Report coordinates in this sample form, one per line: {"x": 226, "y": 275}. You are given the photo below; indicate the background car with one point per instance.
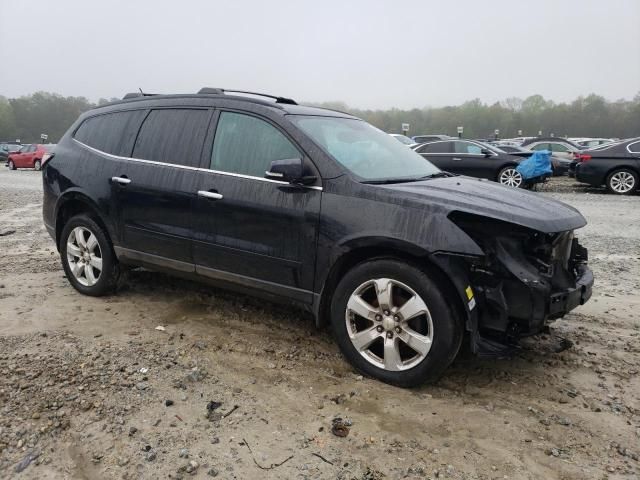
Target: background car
{"x": 616, "y": 166}
{"x": 560, "y": 165}
{"x": 559, "y": 147}
{"x": 591, "y": 142}
{"x": 475, "y": 159}
{"x": 430, "y": 138}
{"x": 403, "y": 139}
{"x": 30, "y": 156}
{"x": 7, "y": 148}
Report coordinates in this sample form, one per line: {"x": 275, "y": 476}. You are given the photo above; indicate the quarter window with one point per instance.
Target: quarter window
{"x": 173, "y": 135}
{"x": 247, "y": 145}
{"x": 112, "y": 133}
{"x": 634, "y": 147}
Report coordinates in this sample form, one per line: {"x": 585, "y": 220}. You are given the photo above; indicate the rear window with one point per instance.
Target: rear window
{"x": 173, "y": 136}
{"x": 112, "y": 133}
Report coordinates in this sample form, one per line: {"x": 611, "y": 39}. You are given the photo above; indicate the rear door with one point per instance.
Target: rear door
{"x": 440, "y": 154}
{"x": 471, "y": 161}
{"x": 252, "y": 231}
{"x": 158, "y": 187}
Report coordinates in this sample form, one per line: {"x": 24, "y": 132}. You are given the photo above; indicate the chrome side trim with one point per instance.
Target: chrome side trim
{"x": 186, "y": 167}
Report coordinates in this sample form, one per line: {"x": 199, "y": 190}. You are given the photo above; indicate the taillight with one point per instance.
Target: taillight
{"x": 46, "y": 157}
{"x": 584, "y": 157}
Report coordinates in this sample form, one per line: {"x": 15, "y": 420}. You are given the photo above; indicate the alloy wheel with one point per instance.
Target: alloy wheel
{"x": 622, "y": 182}
{"x": 389, "y": 324}
{"x": 510, "y": 177}
{"x": 84, "y": 256}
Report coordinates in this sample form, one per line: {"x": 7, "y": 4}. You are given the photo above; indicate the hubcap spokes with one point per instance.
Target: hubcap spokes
{"x": 622, "y": 182}
{"x": 84, "y": 256}
{"x": 511, "y": 178}
{"x": 389, "y": 324}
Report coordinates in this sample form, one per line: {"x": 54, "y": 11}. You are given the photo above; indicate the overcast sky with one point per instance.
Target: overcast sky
{"x": 369, "y": 54}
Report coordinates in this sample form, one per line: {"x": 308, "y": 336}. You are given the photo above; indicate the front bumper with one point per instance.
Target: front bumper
{"x": 563, "y": 302}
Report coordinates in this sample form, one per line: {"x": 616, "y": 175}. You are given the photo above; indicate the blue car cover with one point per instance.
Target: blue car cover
{"x": 537, "y": 165}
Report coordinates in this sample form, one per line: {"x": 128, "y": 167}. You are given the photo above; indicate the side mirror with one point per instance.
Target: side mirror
{"x": 289, "y": 170}
{"x": 486, "y": 152}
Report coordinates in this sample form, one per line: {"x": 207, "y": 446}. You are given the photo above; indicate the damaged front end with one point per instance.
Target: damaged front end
{"x": 524, "y": 279}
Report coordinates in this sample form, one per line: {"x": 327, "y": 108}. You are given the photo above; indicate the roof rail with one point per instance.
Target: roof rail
{"x": 137, "y": 94}
{"x": 221, "y": 91}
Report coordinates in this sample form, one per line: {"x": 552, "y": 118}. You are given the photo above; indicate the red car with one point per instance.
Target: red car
{"x": 30, "y": 156}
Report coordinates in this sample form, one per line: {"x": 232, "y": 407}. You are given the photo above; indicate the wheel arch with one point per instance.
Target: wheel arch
{"x": 73, "y": 203}
{"x": 369, "y": 249}
{"x": 624, "y": 166}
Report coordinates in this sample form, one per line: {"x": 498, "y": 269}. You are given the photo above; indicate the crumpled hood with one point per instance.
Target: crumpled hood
{"x": 490, "y": 199}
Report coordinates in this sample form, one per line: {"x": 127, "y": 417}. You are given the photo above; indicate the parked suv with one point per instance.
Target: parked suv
{"x": 319, "y": 209}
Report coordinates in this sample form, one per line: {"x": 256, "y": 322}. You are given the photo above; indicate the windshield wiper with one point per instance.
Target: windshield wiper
{"x": 386, "y": 181}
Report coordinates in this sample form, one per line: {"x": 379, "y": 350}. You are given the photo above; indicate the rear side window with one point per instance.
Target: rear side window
{"x": 112, "y": 133}
{"x": 247, "y": 145}
{"x": 436, "y": 147}
{"x": 173, "y": 136}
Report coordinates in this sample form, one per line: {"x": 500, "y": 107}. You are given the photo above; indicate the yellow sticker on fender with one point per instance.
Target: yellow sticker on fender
{"x": 469, "y": 293}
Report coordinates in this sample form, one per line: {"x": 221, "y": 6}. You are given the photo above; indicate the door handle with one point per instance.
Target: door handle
{"x": 121, "y": 180}
{"x": 456, "y": 159}
{"x": 210, "y": 195}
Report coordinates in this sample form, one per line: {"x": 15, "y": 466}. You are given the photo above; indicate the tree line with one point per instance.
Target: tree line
{"x": 27, "y": 117}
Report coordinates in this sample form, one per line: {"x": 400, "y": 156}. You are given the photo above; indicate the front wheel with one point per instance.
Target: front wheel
{"x": 87, "y": 257}
{"x": 393, "y": 322}
{"x": 12, "y": 166}
{"x": 622, "y": 181}
{"x": 510, "y": 177}
{"x": 37, "y": 165}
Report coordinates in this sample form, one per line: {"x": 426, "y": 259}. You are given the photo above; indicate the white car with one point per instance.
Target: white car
{"x": 404, "y": 139}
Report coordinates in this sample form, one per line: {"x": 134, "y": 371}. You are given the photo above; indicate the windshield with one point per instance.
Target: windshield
{"x": 364, "y": 150}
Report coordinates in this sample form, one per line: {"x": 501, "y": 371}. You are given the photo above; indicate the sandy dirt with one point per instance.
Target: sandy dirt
{"x": 89, "y": 389}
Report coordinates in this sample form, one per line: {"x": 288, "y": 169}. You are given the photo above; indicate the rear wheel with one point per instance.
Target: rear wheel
{"x": 392, "y": 322}
{"x": 87, "y": 257}
{"x": 622, "y": 181}
{"x": 37, "y": 164}
{"x": 12, "y": 166}
{"x": 510, "y": 177}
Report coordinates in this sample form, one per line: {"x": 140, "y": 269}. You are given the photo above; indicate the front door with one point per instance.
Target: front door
{"x": 156, "y": 189}
{"x": 249, "y": 230}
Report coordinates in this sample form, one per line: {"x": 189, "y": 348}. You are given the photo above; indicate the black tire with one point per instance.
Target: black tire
{"x": 617, "y": 187}
{"x": 110, "y": 273}
{"x": 447, "y": 326}
{"x": 37, "y": 165}
{"x": 12, "y": 166}
{"x": 506, "y": 169}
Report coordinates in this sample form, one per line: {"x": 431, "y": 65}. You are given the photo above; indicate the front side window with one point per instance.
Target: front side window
{"x": 468, "y": 147}
{"x": 247, "y": 145}
{"x": 541, "y": 146}
{"x": 173, "y": 135}
{"x": 369, "y": 153}
{"x": 112, "y": 133}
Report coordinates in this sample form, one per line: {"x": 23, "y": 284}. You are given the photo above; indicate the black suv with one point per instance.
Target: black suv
{"x": 316, "y": 208}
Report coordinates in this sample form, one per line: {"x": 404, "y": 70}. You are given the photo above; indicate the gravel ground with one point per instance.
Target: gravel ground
{"x": 237, "y": 388}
